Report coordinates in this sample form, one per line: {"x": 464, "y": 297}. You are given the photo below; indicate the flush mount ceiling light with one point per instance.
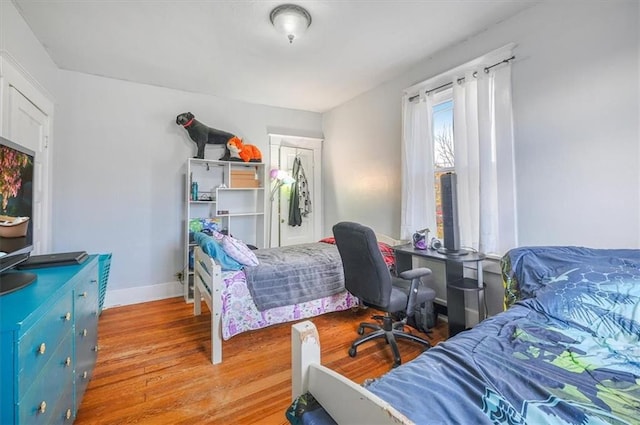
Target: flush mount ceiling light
{"x": 291, "y": 20}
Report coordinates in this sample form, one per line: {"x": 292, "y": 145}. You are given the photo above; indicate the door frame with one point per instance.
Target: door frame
{"x": 12, "y": 74}
{"x": 310, "y": 143}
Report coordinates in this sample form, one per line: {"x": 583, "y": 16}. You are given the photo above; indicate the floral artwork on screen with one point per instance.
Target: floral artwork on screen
{"x": 16, "y": 171}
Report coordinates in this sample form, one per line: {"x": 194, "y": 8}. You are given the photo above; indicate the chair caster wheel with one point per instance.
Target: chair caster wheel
{"x": 360, "y": 331}
{"x": 352, "y": 352}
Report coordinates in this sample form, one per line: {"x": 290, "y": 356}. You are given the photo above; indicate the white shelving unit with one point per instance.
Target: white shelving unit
{"x": 223, "y": 195}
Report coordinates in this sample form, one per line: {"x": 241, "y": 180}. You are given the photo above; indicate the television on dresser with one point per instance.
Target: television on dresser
{"x": 16, "y": 214}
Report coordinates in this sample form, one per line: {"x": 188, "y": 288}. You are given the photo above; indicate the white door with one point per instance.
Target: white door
{"x": 29, "y": 126}
{"x": 303, "y": 233}
{"x": 283, "y": 151}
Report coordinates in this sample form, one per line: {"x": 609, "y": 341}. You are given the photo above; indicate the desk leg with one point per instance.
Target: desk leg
{"x": 481, "y": 302}
{"x": 455, "y": 299}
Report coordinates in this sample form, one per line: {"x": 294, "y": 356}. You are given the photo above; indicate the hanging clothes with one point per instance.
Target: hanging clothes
{"x": 300, "y": 200}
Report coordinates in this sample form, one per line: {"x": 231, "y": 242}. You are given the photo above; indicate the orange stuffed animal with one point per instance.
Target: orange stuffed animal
{"x": 247, "y": 153}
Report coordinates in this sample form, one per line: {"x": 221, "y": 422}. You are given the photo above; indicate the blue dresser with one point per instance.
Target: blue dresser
{"x": 48, "y": 345}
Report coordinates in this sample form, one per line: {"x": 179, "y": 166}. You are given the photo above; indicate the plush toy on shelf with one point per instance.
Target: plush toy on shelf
{"x": 247, "y": 153}
{"x": 202, "y": 134}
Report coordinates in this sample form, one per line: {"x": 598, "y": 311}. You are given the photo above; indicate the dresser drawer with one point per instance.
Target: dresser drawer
{"x": 38, "y": 344}
{"x": 86, "y": 356}
{"x": 64, "y": 414}
{"x": 86, "y": 328}
{"x": 53, "y": 384}
{"x": 86, "y": 298}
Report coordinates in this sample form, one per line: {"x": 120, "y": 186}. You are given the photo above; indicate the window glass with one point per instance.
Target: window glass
{"x": 443, "y": 135}
{"x": 443, "y": 152}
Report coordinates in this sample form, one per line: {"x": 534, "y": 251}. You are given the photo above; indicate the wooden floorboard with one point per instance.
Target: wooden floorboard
{"x": 154, "y": 366}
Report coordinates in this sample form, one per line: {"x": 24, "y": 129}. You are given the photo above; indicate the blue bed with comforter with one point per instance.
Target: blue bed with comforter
{"x": 567, "y": 351}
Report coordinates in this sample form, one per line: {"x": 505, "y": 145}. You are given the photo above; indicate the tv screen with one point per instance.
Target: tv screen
{"x": 16, "y": 203}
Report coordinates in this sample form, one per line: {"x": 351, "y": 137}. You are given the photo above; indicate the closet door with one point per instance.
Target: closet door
{"x": 26, "y": 117}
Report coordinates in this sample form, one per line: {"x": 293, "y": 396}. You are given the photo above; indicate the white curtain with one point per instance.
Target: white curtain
{"x": 483, "y": 145}
{"x": 418, "y": 192}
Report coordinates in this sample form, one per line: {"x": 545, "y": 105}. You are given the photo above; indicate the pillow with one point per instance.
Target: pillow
{"x": 214, "y": 249}
{"x": 237, "y": 249}
{"x": 385, "y": 249}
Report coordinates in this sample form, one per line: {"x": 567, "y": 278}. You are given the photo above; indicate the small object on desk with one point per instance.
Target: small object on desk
{"x": 420, "y": 239}
{"x": 57, "y": 259}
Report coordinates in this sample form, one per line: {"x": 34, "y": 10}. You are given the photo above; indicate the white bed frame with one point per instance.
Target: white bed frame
{"x": 344, "y": 400}
{"x": 211, "y": 277}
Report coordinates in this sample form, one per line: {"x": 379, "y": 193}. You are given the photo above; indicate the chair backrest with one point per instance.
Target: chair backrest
{"x": 366, "y": 275}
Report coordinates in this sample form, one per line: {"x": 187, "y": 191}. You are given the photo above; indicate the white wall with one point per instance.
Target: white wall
{"x": 18, "y": 41}
{"x": 575, "y": 91}
{"x": 576, "y": 122}
{"x": 119, "y": 168}
{"x": 118, "y": 161}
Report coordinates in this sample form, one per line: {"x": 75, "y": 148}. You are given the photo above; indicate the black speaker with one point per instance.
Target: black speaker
{"x": 449, "y": 196}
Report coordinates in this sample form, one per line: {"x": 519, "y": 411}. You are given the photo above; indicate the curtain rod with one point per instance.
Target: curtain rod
{"x": 461, "y": 79}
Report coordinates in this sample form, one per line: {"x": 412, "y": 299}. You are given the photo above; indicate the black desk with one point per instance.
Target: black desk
{"x": 457, "y": 284}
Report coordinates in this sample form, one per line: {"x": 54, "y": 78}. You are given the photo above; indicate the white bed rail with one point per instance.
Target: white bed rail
{"x": 344, "y": 400}
{"x": 208, "y": 274}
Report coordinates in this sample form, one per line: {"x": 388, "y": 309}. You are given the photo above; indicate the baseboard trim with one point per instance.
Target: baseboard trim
{"x": 141, "y": 294}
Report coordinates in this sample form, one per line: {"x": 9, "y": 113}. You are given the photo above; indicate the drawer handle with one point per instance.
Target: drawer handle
{"x": 67, "y": 316}
{"x": 43, "y": 348}
{"x": 43, "y": 407}
{"x": 67, "y": 361}
{"x": 68, "y": 414}
{"x": 84, "y": 332}
{"x": 84, "y": 375}
{"x": 84, "y": 294}
{"x": 94, "y": 281}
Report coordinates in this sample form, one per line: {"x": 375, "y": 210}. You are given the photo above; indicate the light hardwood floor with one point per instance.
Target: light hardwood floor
{"x": 154, "y": 366}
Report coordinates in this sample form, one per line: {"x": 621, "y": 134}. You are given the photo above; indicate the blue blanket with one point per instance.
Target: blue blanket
{"x": 567, "y": 354}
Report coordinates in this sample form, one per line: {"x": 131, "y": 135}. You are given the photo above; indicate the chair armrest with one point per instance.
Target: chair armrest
{"x": 414, "y": 273}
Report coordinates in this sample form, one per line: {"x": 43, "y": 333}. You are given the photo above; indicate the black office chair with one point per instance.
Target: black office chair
{"x": 367, "y": 277}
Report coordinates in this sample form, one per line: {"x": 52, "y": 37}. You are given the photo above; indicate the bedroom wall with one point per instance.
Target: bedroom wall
{"x": 120, "y": 170}
{"x": 118, "y": 160}
{"x": 18, "y": 41}
{"x": 575, "y": 93}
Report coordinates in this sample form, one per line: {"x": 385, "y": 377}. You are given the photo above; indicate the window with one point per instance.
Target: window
{"x": 477, "y": 97}
{"x": 443, "y": 151}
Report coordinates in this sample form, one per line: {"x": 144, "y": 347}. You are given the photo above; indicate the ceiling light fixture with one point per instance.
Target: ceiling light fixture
{"x": 291, "y": 20}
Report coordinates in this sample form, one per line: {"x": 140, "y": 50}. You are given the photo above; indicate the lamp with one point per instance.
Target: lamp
{"x": 291, "y": 20}
{"x": 281, "y": 178}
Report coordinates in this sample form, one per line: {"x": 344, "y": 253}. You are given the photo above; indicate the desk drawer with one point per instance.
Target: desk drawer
{"x": 38, "y": 344}
{"x": 42, "y": 398}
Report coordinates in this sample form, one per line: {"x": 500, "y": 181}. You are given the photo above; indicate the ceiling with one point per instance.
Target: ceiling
{"x": 229, "y": 48}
